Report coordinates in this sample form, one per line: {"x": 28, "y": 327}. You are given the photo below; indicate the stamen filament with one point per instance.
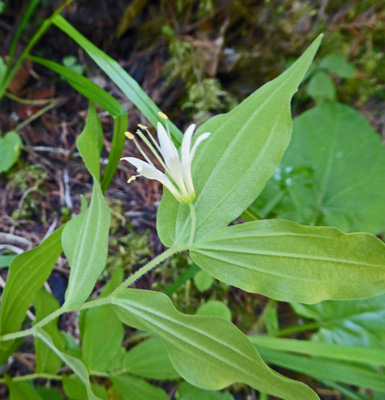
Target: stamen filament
{"x": 151, "y": 147}
{"x": 154, "y": 141}
{"x": 142, "y": 152}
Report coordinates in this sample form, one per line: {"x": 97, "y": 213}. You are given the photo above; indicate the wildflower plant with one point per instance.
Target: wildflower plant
{"x": 207, "y": 184}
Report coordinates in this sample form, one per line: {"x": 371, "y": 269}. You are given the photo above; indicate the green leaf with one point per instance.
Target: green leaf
{"x": 338, "y": 64}
{"x": 74, "y": 363}
{"x": 75, "y": 390}
{"x": 203, "y": 281}
{"x": 5, "y": 261}
{"x": 10, "y": 147}
{"x": 218, "y": 353}
{"x": 3, "y": 69}
{"x": 322, "y": 369}
{"x": 149, "y": 359}
{"x": 333, "y": 172}
{"x": 189, "y": 392}
{"x": 321, "y": 87}
{"x": 85, "y": 244}
{"x": 215, "y": 308}
{"x": 96, "y": 94}
{"x": 49, "y": 393}
{"x": 90, "y": 142}
{"x": 46, "y": 360}
{"x": 354, "y": 323}
{"x": 27, "y": 274}
{"x": 102, "y": 337}
{"x": 350, "y": 353}
{"x": 290, "y": 262}
{"x": 233, "y": 165}
{"x": 132, "y": 388}
{"x": 71, "y": 346}
{"x": 21, "y": 390}
{"x": 121, "y": 78}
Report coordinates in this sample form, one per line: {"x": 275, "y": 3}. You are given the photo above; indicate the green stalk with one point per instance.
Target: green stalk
{"x": 193, "y": 223}
{"x": 311, "y": 326}
{"x": 98, "y": 302}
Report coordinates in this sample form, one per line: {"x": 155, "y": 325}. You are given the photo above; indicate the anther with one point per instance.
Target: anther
{"x": 129, "y": 135}
{"x": 162, "y": 115}
{"x": 142, "y": 126}
{"x": 133, "y": 177}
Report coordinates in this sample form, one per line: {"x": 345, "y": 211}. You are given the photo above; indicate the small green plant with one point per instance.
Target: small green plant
{"x": 72, "y": 63}
{"x": 320, "y": 85}
{"x": 209, "y": 181}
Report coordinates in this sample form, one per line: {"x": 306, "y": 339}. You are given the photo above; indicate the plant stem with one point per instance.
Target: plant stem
{"x": 30, "y": 377}
{"x": 98, "y": 302}
{"x": 193, "y": 223}
{"x": 146, "y": 268}
{"x": 299, "y": 328}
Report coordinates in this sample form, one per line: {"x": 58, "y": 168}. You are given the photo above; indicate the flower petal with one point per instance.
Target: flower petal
{"x": 187, "y": 165}
{"x": 167, "y": 146}
{"x": 186, "y": 144}
{"x": 150, "y": 172}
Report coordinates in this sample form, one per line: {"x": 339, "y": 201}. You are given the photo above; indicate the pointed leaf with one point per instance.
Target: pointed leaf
{"x": 290, "y": 262}
{"x": 208, "y": 352}
{"x": 233, "y": 165}
{"x": 85, "y": 243}
{"x": 90, "y": 142}
{"x": 27, "y": 274}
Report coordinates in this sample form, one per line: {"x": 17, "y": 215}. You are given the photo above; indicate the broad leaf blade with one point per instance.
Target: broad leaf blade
{"x": 46, "y": 360}
{"x": 27, "y": 274}
{"x": 149, "y": 359}
{"x": 101, "y": 336}
{"x": 10, "y": 147}
{"x": 333, "y": 173}
{"x": 74, "y": 363}
{"x": 233, "y": 165}
{"x": 290, "y": 262}
{"x": 218, "y": 353}
{"x": 85, "y": 243}
{"x": 121, "y": 78}
{"x": 354, "y": 323}
{"x": 90, "y": 142}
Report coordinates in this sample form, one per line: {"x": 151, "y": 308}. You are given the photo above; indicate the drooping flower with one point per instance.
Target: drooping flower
{"x": 177, "y": 168}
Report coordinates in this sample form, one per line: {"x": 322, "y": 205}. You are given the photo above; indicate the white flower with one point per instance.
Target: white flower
{"x": 177, "y": 176}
